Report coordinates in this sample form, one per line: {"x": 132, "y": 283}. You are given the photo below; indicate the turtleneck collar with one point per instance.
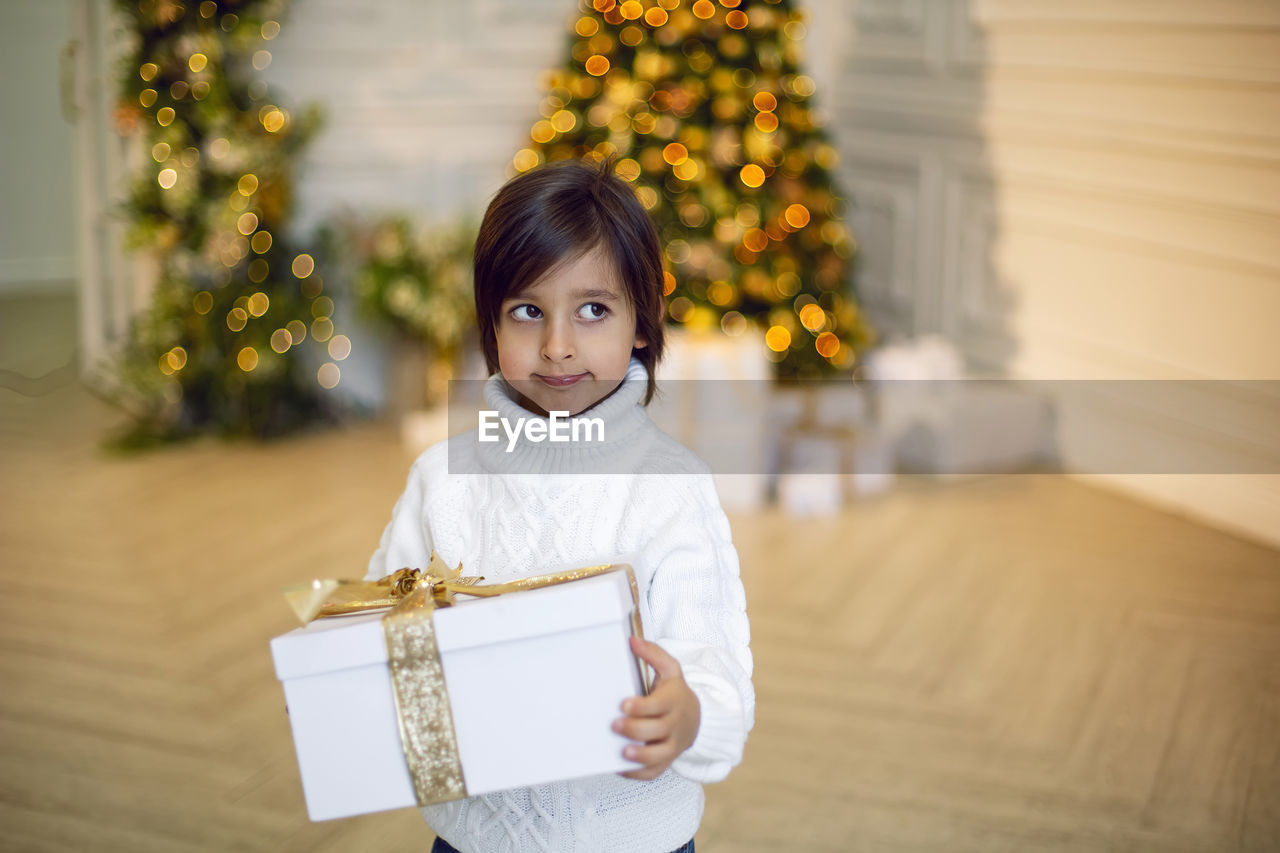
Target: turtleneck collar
{"x": 626, "y": 427}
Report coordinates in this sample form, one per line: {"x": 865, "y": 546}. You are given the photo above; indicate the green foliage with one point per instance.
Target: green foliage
{"x": 416, "y": 280}
{"x": 238, "y": 323}
{"x": 711, "y": 118}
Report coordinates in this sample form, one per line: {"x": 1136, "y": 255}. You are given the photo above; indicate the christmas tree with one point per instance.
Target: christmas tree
{"x": 706, "y": 111}
{"x": 236, "y": 302}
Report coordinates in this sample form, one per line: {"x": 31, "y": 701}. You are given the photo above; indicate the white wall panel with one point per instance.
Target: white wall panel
{"x": 425, "y": 102}
{"x": 37, "y": 240}
{"x": 1117, "y": 213}
{"x": 885, "y": 186}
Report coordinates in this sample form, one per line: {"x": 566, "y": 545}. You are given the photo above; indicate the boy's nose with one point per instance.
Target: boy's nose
{"x": 557, "y": 345}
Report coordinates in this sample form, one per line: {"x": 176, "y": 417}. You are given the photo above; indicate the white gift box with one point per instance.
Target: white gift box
{"x": 535, "y": 678}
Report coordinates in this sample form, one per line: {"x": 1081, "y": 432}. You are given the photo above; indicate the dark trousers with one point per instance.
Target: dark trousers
{"x": 442, "y": 846}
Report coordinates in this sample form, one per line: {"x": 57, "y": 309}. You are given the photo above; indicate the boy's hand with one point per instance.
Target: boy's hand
{"x": 665, "y": 722}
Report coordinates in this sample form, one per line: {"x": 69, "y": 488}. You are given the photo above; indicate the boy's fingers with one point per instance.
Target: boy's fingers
{"x": 651, "y": 755}
{"x": 643, "y": 729}
{"x": 653, "y": 654}
{"x": 655, "y": 704}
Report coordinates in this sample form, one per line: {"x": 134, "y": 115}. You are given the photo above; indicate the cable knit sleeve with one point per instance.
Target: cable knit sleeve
{"x": 698, "y": 614}
{"x": 406, "y": 541}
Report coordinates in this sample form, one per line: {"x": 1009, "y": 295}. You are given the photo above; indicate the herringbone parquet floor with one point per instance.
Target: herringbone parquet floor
{"x": 1004, "y": 664}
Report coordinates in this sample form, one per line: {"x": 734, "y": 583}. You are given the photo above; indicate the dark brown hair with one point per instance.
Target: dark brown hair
{"x": 558, "y": 213}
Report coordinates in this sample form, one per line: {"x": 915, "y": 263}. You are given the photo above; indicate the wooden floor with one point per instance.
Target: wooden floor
{"x": 1005, "y": 664}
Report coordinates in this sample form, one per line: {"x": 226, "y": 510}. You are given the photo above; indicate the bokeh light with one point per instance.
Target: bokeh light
{"x": 322, "y": 307}
{"x": 752, "y": 175}
{"x": 812, "y": 317}
{"x": 339, "y": 347}
{"x": 542, "y": 131}
{"x": 303, "y": 265}
{"x": 766, "y": 122}
{"x": 328, "y": 375}
{"x": 247, "y": 359}
{"x": 525, "y": 159}
{"x": 797, "y": 215}
{"x": 258, "y": 304}
{"x": 258, "y": 270}
{"x": 733, "y": 324}
{"x": 322, "y": 329}
{"x": 680, "y": 308}
{"x": 281, "y": 340}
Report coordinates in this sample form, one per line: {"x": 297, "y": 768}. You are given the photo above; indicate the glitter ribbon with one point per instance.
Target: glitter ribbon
{"x": 422, "y": 701}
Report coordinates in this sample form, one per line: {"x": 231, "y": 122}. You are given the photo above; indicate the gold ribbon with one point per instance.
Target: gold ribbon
{"x": 422, "y": 697}
{"x": 422, "y": 701}
{"x": 321, "y": 598}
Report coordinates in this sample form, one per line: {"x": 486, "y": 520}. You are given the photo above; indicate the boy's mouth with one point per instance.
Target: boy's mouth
{"x": 560, "y": 381}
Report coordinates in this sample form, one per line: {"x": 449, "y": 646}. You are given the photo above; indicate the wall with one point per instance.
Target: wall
{"x": 1083, "y": 190}
{"x": 425, "y": 102}
{"x": 37, "y": 235}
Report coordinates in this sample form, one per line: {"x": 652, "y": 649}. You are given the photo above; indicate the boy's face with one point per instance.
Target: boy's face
{"x": 564, "y": 342}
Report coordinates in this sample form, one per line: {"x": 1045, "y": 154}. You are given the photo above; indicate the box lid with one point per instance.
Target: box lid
{"x": 564, "y": 607}
{"x": 344, "y": 642}
{"x": 327, "y": 645}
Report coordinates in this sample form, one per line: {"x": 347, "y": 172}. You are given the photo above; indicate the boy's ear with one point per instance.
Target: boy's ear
{"x": 640, "y": 343}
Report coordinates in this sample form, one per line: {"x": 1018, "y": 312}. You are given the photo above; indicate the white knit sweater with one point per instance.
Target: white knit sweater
{"x": 638, "y": 497}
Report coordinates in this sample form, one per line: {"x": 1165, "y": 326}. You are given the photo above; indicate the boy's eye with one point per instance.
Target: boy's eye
{"x": 525, "y": 312}
{"x": 593, "y": 311}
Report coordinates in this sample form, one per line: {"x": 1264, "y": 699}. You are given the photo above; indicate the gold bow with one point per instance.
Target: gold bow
{"x": 321, "y": 598}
